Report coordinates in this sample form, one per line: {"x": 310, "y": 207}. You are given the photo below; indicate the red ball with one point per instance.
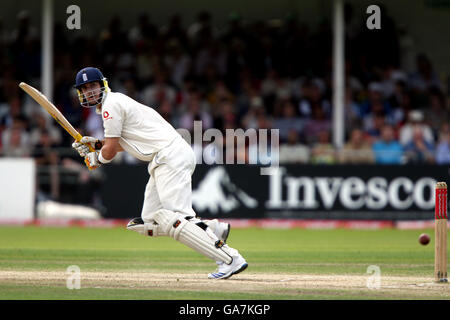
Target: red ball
{"x": 424, "y": 239}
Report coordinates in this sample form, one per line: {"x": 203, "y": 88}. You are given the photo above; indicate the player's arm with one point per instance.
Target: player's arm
{"x": 110, "y": 148}
{"x": 118, "y": 147}
{"x": 106, "y": 154}
{"x": 83, "y": 146}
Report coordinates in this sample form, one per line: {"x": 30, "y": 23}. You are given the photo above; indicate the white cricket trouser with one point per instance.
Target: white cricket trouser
{"x": 169, "y": 186}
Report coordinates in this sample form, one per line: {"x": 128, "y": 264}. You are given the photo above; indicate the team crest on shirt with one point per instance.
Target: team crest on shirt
{"x": 106, "y": 115}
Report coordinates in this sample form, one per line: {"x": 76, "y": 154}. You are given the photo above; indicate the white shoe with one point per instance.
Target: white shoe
{"x": 224, "y": 271}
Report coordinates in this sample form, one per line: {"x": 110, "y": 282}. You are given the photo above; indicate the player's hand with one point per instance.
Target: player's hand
{"x": 95, "y": 143}
{"x": 83, "y": 147}
{"x": 91, "y": 160}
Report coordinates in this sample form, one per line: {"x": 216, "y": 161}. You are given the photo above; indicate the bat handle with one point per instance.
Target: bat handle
{"x": 78, "y": 139}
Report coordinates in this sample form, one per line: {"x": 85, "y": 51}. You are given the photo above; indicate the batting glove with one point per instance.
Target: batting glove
{"x": 91, "y": 160}
{"x": 83, "y": 146}
{"x": 82, "y": 149}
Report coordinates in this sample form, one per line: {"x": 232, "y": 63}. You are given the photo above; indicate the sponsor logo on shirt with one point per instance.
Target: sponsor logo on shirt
{"x": 106, "y": 115}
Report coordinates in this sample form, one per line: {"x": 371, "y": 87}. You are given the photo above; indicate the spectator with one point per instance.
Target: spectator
{"x": 225, "y": 116}
{"x": 318, "y": 123}
{"x": 167, "y": 112}
{"x": 250, "y": 120}
{"x": 289, "y": 121}
{"x": 436, "y": 114}
{"x": 357, "y": 150}
{"x": 14, "y": 112}
{"x": 274, "y": 87}
{"x": 419, "y": 150}
{"x": 352, "y": 109}
{"x": 177, "y": 62}
{"x": 402, "y": 103}
{"x": 293, "y": 151}
{"x": 146, "y": 63}
{"x": 16, "y": 141}
{"x": 425, "y": 77}
{"x": 415, "y": 120}
{"x": 70, "y": 107}
{"x": 43, "y": 151}
{"x": 43, "y": 125}
{"x": 323, "y": 151}
{"x": 125, "y": 64}
{"x": 443, "y": 147}
{"x": 218, "y": 96}
{"x": 130, "y": 89}
{"x": 352, "y": 82}
{"x": 390, "y": 76}
{"x": 374, "y": 105}
{"x": 195, "y": 112}
{"x": 375, "y": 96}
{"x": 396, "y": 98}
{"x": 154, "y": 94}
{"x": 210, "y": 54}
{"x": 373, "y": 126}
{"x": 44, "y": 138}
{"x": 313, "y": 99}
{"x": 387, "y": 150}
{"x": 244, "y": 98}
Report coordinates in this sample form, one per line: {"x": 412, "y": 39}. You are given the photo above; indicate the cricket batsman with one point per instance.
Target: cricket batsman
{"x": 167, "y": 210}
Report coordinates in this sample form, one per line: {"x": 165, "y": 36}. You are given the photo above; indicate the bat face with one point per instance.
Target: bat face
{"x": 51, "y": 109}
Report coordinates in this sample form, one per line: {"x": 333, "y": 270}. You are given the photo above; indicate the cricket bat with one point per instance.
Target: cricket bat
{"x": 53, "y": 111}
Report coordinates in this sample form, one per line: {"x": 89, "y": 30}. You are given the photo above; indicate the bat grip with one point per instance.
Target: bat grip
{"x": 78, "y": 139}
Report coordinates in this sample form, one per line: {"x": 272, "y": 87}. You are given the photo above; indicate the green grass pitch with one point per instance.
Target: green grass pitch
{"x": 283, "y": 264}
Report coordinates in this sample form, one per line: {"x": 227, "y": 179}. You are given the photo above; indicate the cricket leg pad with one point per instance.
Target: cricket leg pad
{"x": 215, "y": 229}
{"x": 150, "y": 229}
{"x": 176, "y": 226}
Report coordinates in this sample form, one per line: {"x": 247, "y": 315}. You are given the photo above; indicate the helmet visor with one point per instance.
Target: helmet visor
{"x": 91, "y": 98}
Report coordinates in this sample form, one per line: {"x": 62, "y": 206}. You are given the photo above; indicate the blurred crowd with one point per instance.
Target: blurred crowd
{"x": 272, "y": 74}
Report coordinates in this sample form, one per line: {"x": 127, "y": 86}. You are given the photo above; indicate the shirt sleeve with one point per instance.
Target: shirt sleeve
{"x": 112, "y": 116}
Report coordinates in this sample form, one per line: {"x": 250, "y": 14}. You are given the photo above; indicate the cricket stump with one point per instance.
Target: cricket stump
{"x": 440, "y": 226}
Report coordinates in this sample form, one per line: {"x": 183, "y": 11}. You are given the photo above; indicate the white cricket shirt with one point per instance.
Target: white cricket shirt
{"x": 142, "y": 130}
